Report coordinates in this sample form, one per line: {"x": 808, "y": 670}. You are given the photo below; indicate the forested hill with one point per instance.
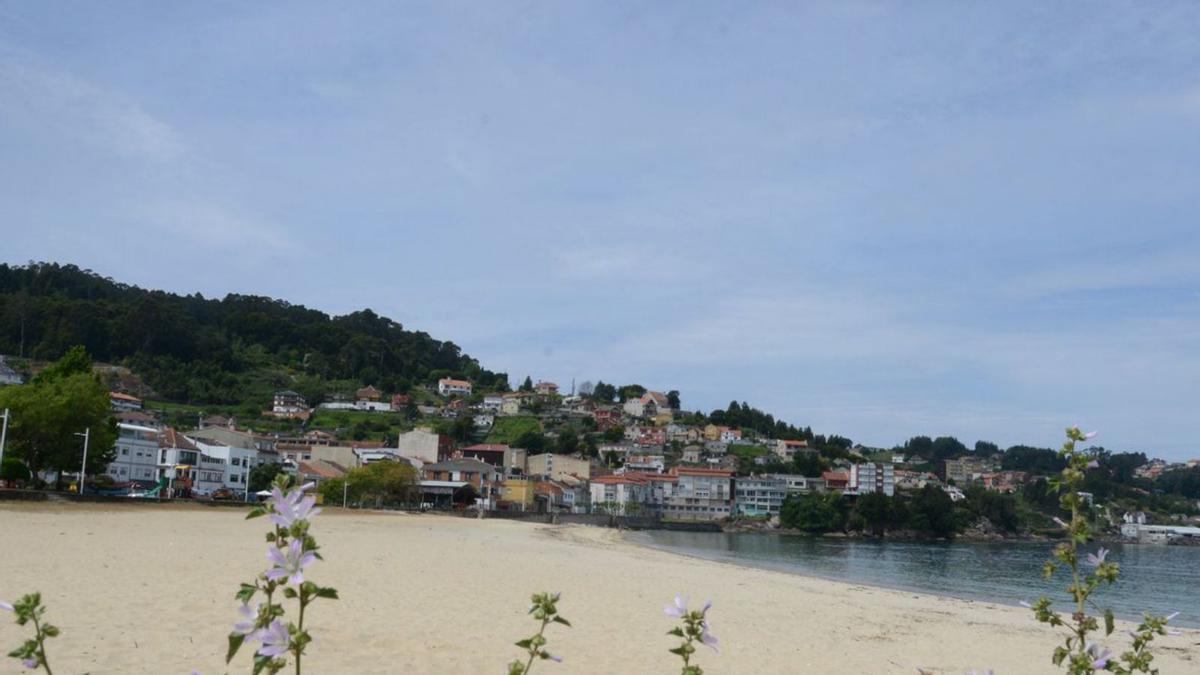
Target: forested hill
{"x": 229, "y": 351}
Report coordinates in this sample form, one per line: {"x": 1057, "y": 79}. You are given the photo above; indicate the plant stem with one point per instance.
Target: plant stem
{"x": 300, "y": 629}
{"x": 533, "y": 652}
{"x": 41, "y": 640}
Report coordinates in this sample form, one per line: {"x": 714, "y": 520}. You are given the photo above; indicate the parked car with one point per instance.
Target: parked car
{"x": 225, "y": 494}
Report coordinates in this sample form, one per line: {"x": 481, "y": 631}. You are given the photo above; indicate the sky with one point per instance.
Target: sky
{"x": 874, "y": 219}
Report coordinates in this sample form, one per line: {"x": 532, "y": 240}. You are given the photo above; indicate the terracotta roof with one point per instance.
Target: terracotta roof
{"x": 660, "y": 477}
{"x": 169, "y": 438}
{"x": 321, "y": 469}
{"x": 486, "y": 447}
{"x": 123, "y": 397}
{"x": 454, "y": 383}
{"x": 658, "y": 397}
{"x": 368, "y": 392}
{"x": 627, "y": 478}
{"x": 692, "y": 471}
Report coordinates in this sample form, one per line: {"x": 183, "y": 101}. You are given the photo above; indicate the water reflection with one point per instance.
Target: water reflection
{"x": 1159, "y": 579}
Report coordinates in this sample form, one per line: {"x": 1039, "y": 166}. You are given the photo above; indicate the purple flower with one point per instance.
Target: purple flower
{"x": 6, "y": 606}
{"x": 246, "y": 627}
{"x": 30, "y": 664}
{"x": 1094, "y": 464}
{"x": 556, "y": 659}
{"x": 1172, "y": 615}
{"x": 1026, "y": 605}
{"x": 708, "y": 638}
{"x": 275, "y": 639}
{"x": 678, "y": 609}
{"x": 1060, "y": 522}
{"x": 289, "y": 562}
{"x": 293, "y": 506}
{"x": 1097, "y": 559}
{"x": 1090, "y": 435}
{"x": 989, "y": 671}
{"x": 1099, "y": 656}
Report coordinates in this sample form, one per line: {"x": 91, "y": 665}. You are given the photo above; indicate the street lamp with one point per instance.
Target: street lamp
{"x": 87, "y": 432}
{"x": 345, "y": 491}
{"x": 3, "y": 434}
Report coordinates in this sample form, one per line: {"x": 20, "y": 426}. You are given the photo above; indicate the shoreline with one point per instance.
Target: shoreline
{"x": 151, "y": 590}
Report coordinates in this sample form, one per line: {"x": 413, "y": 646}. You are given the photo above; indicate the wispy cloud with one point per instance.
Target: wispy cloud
{"x": 53, "y": 99}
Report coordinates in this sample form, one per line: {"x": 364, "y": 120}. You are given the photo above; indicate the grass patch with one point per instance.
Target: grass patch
{"x": 509, "y": 429}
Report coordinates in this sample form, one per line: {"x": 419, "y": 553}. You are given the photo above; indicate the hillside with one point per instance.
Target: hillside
{"x": 229, "y": 351}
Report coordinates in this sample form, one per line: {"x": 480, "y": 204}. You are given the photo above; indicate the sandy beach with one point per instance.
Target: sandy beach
{"x": 149, "y": 589}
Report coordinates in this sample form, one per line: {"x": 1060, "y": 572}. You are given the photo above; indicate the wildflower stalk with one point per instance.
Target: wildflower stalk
{"x": 693, "y": 628}
{"x": 32, "y": 653}
{"x": 544, "y": 608}
{"x": 291, "y": 549}
{"x": 1080, "y": 656}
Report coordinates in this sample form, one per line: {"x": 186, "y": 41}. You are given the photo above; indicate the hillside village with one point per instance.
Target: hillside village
{"x": 598, "y": 449}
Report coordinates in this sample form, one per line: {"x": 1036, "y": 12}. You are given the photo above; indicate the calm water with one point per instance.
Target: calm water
{"x": 1159, "y": 579}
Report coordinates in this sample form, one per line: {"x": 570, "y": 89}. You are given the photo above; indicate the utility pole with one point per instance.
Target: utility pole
{"x": 87, "y": 432}
{"x": 345, "y": 491}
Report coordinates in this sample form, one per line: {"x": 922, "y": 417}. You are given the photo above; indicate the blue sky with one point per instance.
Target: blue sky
{"x": 977, "y": 219}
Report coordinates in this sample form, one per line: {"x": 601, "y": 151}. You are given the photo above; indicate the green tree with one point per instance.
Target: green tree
{"x": 531, "y": 440}
{"x": 814, "y": 512}
{"x": 14, "y": 470}
{"x": 614, "y": 434}
{"x": 568, "y": 442}
{"x": 604, "y": 393}
{"x": 630, "y": 391}
{"x": 874, "y": 511}
{"x": 932, "y": 513}
{"x": 673, "y": 399}
{"x": 63, "y": 400}
{"x": 527, "y": 385}
{"x": 378, "y": 483}
{"x": 263, "y": 475}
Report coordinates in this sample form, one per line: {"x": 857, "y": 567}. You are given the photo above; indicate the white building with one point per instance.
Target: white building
{"x": 122, "y": 402}
{"x": 288, "y": 402}
{"x": 238, "y": 463}
{"x": 450, "y": 387}
{"x": 210, "y": 475}
{"x": 492, "y": 403}
{"x": 701, "y": 494}
{"x": 871, "y": 477}
{"x": 8, "y": 375}
{"x": 137, "y": 455}
{"x": 178, "y": 459}
{"x": 759, "y": 495}
{"x": 797, "y": 484}
{"x": 619, "y": 494}
{"x": 646, "y": 463}
{"x": 422, "y": 445}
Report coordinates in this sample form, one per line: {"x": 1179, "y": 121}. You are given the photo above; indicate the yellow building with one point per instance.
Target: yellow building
{"x": 517, "y": 493}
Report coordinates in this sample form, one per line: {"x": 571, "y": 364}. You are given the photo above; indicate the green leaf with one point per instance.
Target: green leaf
{"x": 245, "y": 593}
{"x": 51, "y": 631}
{"x": 256, "y": 513}
{"x": 330, "y": 593}
{"x": 1108, "y": 622}
{"x": 559, "y": 619}
{"x": 676, "y": 631}
{"x": 289, "y": 592}
{"x": 524, "y": 644}
{"x": 235, "y": 643}
{"x": 1059, "y": 654}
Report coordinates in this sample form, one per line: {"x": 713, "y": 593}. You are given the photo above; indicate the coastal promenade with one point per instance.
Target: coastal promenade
{"x": 140, "y": 589}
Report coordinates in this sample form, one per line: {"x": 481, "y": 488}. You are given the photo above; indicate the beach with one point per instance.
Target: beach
{"x": 148, "y": 588}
